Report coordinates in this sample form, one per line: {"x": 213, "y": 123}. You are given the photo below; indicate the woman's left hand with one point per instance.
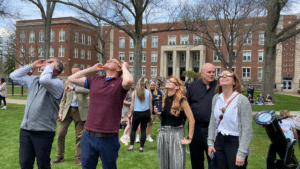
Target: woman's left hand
{"x": 185, "y": 141}
{"x": 239, "y": 161}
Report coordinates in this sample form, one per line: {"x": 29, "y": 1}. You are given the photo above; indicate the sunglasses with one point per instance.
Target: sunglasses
{"x": 115, "y": 63}
{"x": 171, "y": 81}
{"x": 227, "y": 75}
{"x": 50, "y": 61}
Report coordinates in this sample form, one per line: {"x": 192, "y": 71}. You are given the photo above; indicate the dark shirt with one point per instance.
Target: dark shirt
{"x": 106, "y": 102}
{"x": 154, "y": 97}
{"x": 200, "y": 100}
{"x": 168, "y": 119}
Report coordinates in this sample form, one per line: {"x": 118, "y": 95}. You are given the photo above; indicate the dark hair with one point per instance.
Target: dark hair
{"x": 60, "y": 66}
{"x": 237, "y": 87}
{"x": 2, "y": 80}
{"x": 76, "y": 66}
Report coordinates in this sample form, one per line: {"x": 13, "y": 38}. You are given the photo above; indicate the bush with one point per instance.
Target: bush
{"x": 191, "y": 74}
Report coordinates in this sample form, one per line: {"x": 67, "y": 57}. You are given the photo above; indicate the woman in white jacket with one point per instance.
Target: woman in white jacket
{"x": 3, "y": 92}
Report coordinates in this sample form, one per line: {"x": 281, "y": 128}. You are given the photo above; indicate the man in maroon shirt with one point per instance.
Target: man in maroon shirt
{"x": 107, "y": 94}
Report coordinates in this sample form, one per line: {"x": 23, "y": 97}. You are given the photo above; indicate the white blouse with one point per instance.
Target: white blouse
{"x": 229, "y": 125}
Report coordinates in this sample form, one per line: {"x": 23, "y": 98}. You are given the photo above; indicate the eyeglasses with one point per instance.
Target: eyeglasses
{"x": 115, "y": 63}
{"x": 171, "y": 81}
{"x": 227, "y": 75}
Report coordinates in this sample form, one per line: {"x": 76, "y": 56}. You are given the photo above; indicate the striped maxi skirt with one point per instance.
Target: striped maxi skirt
{"x": 171, "y": 153}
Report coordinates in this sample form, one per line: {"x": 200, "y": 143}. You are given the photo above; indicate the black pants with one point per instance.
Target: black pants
{"x": 226, "y": 150}
{"x": 4, "y": 101}
{"x": 35, "y": 144}
{"x": 143, "y": 119}
{"x": 198, "y": 146}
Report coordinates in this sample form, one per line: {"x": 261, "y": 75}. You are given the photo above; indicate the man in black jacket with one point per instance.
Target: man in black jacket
{"x": 199, "y": 95}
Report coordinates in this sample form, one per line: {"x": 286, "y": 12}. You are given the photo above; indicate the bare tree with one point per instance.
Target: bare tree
{"x": 274, "y": 36}
{"x": 6, "y": 11}
{"x": 219, "y": 22}
{"x": 131, "y": 17}
{"x": 47, "y": 18}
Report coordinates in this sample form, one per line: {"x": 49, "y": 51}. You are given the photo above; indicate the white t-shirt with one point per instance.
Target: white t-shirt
{"x": 287, "y": 124}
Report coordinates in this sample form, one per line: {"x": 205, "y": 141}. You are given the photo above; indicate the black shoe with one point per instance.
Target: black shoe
{"x": 129, "y": 149}
{"x": 141, "y": 151}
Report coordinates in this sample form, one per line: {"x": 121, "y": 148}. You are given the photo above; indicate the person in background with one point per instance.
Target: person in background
{"x": 288, "y": 126}
{"x": 3, "y": 92}
{"x": 39, "y": 123}
{"x": 107, "y": 94}
{"x": 187, "y": 84}
{"x": 156, "y": 96}
{"x": 230, "y": 127}
{"x": 268, "y": 98}
{"x": 170, "y": 139}
{"x": 199, "y": 96}
{"x": 74, "y": 106}
{"x": 251, "y": 91}
{"x": 141, "y": 110}
{"x": 250, "y": 98}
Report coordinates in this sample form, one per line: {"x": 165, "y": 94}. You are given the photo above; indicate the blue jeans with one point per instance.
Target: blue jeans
{"x": 92, "y": 148}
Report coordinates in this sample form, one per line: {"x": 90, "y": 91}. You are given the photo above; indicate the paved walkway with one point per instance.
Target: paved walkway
{"x": 16, "y": 101}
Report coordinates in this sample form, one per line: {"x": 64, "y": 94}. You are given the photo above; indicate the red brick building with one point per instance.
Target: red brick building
{"x": 168, "y": 52}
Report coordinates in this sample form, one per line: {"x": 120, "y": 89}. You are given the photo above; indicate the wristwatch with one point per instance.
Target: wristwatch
{"x": 74, "y": 89}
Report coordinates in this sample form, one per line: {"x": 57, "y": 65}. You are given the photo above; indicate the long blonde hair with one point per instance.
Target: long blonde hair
{"x": 140, "y": 90}
{"x": 155, "y": 92}
{"x": 178, "y": 96}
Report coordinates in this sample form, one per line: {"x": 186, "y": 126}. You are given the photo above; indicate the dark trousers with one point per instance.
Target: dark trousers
{"x": 4, "y": 101}
{"x": 35, "y": 144}
{"x": 73, "y": 115}
{"x": 226, "y": 150}
{"x": 143, "y": 119}
{"x": 198, "y": 146}
{"x": 106, "y": 148}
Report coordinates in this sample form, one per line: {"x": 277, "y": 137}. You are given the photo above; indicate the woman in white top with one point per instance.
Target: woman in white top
{"x": 230, "y": 127}
{"x": 3, "y": 92}
{"x": 288, "y": 126}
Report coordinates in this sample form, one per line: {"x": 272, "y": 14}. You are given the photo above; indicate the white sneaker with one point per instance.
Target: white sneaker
{"x": 4, "y": 107}
{"x": 137, "y": 140}
{"x": 149, "y": 139}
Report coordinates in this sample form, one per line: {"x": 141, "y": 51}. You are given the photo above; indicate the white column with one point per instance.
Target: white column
{"x": 174, "y": 62}
{"x": 188, "y": 62}
{"x": 166, "y": 65}
{"x": 162, "y": 64}
{"x": 202, "y": 59}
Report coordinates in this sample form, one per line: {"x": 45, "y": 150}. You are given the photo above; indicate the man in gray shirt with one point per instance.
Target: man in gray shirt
{"x": 39, "y": 123}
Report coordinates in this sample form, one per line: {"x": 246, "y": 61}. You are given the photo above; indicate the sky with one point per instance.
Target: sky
{"x": 30, "y": 11}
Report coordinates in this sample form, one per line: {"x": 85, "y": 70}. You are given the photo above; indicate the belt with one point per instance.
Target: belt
{"x": 98, "y": 134}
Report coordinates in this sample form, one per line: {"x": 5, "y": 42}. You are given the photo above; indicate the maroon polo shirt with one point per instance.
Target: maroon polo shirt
{"x": 106, "y": 103}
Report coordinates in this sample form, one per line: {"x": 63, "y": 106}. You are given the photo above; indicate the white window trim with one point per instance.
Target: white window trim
{"x": 228, "y": 56}
{"x": 81, "y": 54}
{"x": 143, "y": 42}
{"x": 98, "y": 56}
{"x": 187, "y": 39}
{"x": 182, "y": 60}
{"x": 41, "y": 52}
{"x": 89, "y": 40}
{"x": 214, "y": 58}
{"x": 248, "y": 44}
{"x": 259, "y": 38}
{"x": 234, "y": 44}
{"x": 22, "y": 40}
{"x": 76, "y": 37}
{"x": 75, "y": 53}
{"x": 217, "y": 67}
{"x": 31, "y": 54}
{"x": 62, "y": 33}
{"x": 88, "y": 55}
{"x": 131, "y": 53}
{"x": 152, "y": 41}
{"x": 246, "y": 78}
{"x": 169, "y": 39}
{"x": 119, "y": 56}
{"x": 197, "y": 36}
{"x": 156, "y": 57}
{"x": 131, "y": 69}
{"x": 220, "y": 39}
{"x": 51, "y": 52}
{"x": 52, "y": 40}
{"x": 41, "y": 38}
{"x": 234, "y": 69}
{"x": 247, "y": 61}
{"x": 122, "y": 47}
{"x": 153, "y": 76}
{"x": 130, "y": 39}
{"x": 259, "y": 78}
{"x": 258, "y": 56}
{"x": 198, "y": 56}
{"x": 30, "y": 40}
{"x": 145, "y": 57}
{"x": 63, "y": 50}
{"x": 82, "y": 38}
{"x": 145, "y": 71}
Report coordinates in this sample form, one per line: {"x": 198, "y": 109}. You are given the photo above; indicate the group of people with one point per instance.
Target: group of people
{"x": 259, "y": 99}
{"x": 219, "y": 116}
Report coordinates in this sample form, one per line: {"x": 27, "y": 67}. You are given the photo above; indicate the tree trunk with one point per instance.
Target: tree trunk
{"x": 137, "y": 63}
{"x": 47, "y": 37}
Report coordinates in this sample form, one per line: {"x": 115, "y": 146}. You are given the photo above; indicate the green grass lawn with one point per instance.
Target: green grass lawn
{"x": 9, "y": 150}
{"x": 24, "y": 97}
{"x": 17, "y": 89}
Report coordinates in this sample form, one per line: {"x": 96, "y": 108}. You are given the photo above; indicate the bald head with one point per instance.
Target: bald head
{"x": 208, "y": 73}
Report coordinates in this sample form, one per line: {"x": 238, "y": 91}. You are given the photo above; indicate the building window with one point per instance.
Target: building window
{"x": 22, "y": 38}
{"x": 216, "y": 57}
{"x": 285, "y": 54}
{"x": 284, "y": 70}
{"x": 131, "y": 69}
{"x": 285, "y": 48}
{"x": 131, "y": 43}
{"x": 218, "y": 39}
{"x": 82, "y": 54}
{"x": 32, "y": 37}
{"x": 233, "y": 69}
{"x": 246, "y": 56}
{"x": 98, "y": 43}
{"x": 259, "y": 73}
{"x": 41, "y": 36}
{"x": 291, "y": 54}
{"x": 144, "y": 55}
{"x": 217, "y": 71}
{"x": 131, "y": 57}
{"x": 196, "y": 56}
{"x": 260, "y": 56}
{"x": 83, "y": 38}
{"x": 172, "y": 40}
{"x": 261, "y": 38}
{"x": 40, "y": 70}
{"x": 232, "y": 39}
{"x": 170, "y": 56}
{"x": 234, "y": 54}
{"x": 246, "y": 73}
{"x": 121, "y": 56}
{"x": 153, "y": 71}
{"x": 98, "y": 56}
{"x": 121, "y": 42}
{"x": 248, "y": 40}
{"x": 285, "y": 59}
{"x": 291, "y": 64}
{"x": 22, "y": 52}
{"x": 184, "y": 40}
{"x": 291, "y": 48}
{"x": 52, "y": 36}
{"x": 154, "y": 42}
{"x": 61, "y": 52}
{"x": 88, "y": 66}
{"x": 291, "y": 70}
{"x": 41, "y": 52}
{"x": 183, "y": 57}
{"x": 76, "y": 37}
{"x": 82, "y": 66}
{"x": 89, "y": 40}
{"x": 88, "y": 55}
{"x": 75, "y": 53}
{"x": 285, "y": 64}
{"x": 197, "y": 40}
{"x": 31, "y": 52}
{"x": 292, "y": 43}
{"x": 143, "y": 71}
{"x": 51, "y": 52}
{"x": 144, "y": 42}
{"x": 61, "y": 35}
{"x": 291, "y": 59}
{"x": 153, "y": 57}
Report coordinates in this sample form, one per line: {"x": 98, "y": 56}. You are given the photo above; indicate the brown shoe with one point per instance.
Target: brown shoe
{"x": 57, "y": 160}
{"x": 78, "y": 161}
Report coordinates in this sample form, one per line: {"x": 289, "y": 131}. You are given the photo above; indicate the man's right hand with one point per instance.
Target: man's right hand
{"x": 210, "y": 149}
{"x": 39, "y": 63}
{"x": 98, "y": 67}
{"x": 59, "y": 117}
